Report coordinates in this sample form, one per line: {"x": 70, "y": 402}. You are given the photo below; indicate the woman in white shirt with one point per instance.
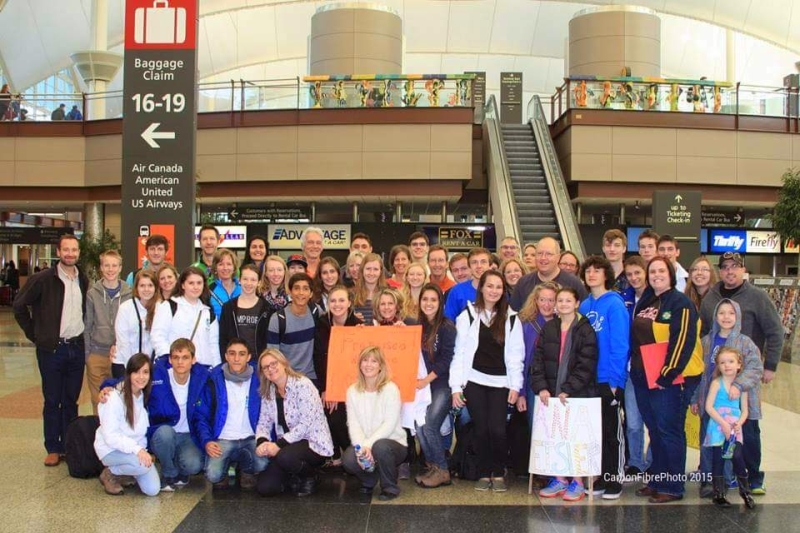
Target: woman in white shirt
{"x": 134, "y": 320}
{"x": 486, "y": 374}
{"x": 373, "y": 420}
{"x": 187, "y": 315}
{"x": 121, "y": 441}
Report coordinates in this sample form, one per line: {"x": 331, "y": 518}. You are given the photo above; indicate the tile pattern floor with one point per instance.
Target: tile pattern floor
{"x": 40, "y": 499}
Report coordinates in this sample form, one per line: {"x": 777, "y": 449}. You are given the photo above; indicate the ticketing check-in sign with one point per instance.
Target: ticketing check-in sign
{"x": 159, "y": 126}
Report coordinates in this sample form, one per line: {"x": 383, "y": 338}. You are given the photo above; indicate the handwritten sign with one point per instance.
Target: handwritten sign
{"x": 567, "y": 440}
{"x": 400, "y": 346}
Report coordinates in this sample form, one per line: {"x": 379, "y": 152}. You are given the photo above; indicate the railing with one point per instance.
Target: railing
{"x": 672, "y": 95}
{"x": 402, "y": 90}
{"x": 567, "y": 222}
{"x": 500, "y": 194}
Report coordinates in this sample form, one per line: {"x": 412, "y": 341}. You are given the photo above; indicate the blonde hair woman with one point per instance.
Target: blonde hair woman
{"x": 273, "y": 283}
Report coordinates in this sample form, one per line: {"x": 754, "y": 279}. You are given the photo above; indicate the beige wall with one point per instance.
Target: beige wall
{"x": 284, "y": 153}
{"x": 612, "y": 37}
{"x": 356, "y": 41}
{"x": 669, "y": 155}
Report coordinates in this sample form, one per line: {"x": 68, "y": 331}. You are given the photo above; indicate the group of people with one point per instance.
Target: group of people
{"x": 224, "y": 364}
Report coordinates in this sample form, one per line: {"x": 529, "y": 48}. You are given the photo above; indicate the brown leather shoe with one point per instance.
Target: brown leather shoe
{"x": 436, "y": 478}
{"x": 110, "y": 483}
{"x": 52, "y": 459}
{"x": 664, "y": 498}
{"x": 646, "y": 492}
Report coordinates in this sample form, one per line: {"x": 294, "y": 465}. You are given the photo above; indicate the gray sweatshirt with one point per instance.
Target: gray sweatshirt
{"x": 101, "y": 313}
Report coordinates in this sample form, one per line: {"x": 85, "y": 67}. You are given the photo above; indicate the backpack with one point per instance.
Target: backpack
{"x": 82, "y": 460}
{"x": 464, "y": 461}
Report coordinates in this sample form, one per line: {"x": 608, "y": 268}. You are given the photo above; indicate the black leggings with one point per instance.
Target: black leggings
{"x": 337, "y": 422}
{"x": 487, "y": 407}
{"x": 295, "y": 459}
{"x": 717, "y": 462}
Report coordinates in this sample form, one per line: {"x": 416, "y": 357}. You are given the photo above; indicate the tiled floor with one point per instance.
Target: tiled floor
{"x": 39, "y": 499}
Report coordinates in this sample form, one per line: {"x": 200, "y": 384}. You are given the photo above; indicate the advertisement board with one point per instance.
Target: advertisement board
{"x": 721, "y": 241}
{"x": 287, "y": 236}
{"x": 234, "y": 237}
{"x": 763, "y": 242}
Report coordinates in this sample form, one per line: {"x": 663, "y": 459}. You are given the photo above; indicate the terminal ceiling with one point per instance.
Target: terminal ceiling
{"x": 263, "y": 39}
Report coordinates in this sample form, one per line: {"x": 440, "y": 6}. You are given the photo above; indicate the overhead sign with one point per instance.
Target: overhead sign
{"x": 287, "y": 236}
{"x": 511, "y": 97}
{"x": 460, "y": 238}
{"x": 239, "y": 213}
{"x": 159, "y": 130}
{"x": 15, "y": 235}
{"x": 677, "y": 213}
{"x": 233, "y": 237}
{"x": 721, "y": 219}
{"x": 763, "y": 242}
{"x": 721, "y": 241}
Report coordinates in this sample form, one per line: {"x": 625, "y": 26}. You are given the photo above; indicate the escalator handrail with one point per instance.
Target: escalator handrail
{"x": 565, "y": 217}
{"x": 492, "y": 124}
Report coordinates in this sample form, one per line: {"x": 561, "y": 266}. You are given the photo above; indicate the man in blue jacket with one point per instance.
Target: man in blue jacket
{"x": 176, "y": 390}
{"x": 226, "y": 416}
{"x": 605, "y": 310}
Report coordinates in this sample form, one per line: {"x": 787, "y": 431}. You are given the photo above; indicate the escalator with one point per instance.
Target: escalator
{"x": 527, "y": 191}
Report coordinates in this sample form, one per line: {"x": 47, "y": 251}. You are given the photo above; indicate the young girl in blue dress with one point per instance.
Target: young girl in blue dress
{"x": 725, "y": 425}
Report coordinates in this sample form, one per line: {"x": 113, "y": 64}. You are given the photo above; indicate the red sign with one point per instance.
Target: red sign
{"x": 160, "y": 24}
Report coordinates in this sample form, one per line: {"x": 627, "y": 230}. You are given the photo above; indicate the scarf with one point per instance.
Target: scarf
{"x": 244, "y": 376}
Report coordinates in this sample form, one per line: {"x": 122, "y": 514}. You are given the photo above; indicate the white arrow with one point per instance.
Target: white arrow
{"x": 150, "y": 135}
{"x": 678, "y": 198}
{"x": 738, "y": 217}
{"x": 234, "y": 213}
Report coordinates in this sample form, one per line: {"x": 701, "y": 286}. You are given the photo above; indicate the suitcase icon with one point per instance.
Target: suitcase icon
{"x": 160, "y": 24}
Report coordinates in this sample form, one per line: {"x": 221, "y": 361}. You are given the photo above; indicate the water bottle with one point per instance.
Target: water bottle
{"x": 367, "y": 464}
{"x": 456, "y": 411}
{"x": 729, "y": 446}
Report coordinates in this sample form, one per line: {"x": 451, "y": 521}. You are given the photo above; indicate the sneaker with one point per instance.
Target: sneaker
{"x": 167, "y": 484}
{"x": 387, "y": 496}
{"x": 706, "y": 490}
{"x": 404, "y": 472}
{"x": 632, "y": 474}
{"x": 221, "y": 485}
{"x": 483, "y": 484}
{"x": 554, "y": 489}
{"x": 598, "y": 488}
{"x": 499, "y": 484}
{"x": 613, "y": 491}
{"x": 247, "y": 481}
{"x": 181, "y": 481}
{"x": 733, "y": 484}
{"x": 575, "y": 492}
{"x": 758, "y": 490}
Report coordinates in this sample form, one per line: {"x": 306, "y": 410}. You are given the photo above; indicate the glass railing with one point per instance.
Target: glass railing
{"x": 312, "y": 92}
{"x": 671, "y": 95}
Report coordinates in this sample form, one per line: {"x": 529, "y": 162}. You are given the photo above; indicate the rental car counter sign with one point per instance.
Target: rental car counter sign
{"x": 287, "y": 236}
{"x": 159, "y": 126}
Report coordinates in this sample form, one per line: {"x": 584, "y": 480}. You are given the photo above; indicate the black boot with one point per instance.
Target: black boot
{"x": 719, "y": 492}
{"x": 744, "y": 492}
{"x": 308, "y": 486}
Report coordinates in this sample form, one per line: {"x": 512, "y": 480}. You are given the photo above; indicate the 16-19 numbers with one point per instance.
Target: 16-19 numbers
{"x": 172, "y": 103}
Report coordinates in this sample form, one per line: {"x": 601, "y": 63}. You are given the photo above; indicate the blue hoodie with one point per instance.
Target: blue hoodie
{"x": 612, "y": 324}
{"x": 162, "y": 406}
{"x": 211, "y": 410}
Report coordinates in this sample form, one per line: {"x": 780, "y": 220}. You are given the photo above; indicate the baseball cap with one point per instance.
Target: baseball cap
{"x": 297, "y": 258}
{"x": 736, "y": 257}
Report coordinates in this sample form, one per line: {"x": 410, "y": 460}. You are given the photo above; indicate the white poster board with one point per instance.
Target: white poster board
{"x": 567, "y": 440}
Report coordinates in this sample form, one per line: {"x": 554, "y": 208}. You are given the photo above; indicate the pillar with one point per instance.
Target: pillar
{"x": 444, "y": 212}
{"x": 94, "y": 219}
{"x": 355, "y": 39}
{"x": 355, "y": 211}
{"x": 730, "y": 56}
{"x": 398, "y": 212}
{"x": 604, "y": 40}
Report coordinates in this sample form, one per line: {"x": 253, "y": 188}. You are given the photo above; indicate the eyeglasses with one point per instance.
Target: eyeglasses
{"x": 270, "y": 366}
{"x": 567, "y": 265}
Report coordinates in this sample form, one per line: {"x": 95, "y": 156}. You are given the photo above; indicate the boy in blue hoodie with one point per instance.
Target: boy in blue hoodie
{"x": 605, "y": 310}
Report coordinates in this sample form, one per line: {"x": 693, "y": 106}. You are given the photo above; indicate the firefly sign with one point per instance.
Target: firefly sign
{"x": 159, "y": 130}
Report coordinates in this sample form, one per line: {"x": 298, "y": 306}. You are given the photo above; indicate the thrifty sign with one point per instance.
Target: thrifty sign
{"x": 400, "y": 346}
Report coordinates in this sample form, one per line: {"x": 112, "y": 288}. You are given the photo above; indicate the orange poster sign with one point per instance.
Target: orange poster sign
{"x": 167, "y": 230}
{"x": 400, "y": 346}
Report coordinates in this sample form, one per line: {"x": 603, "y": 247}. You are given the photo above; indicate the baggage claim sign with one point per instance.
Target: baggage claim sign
{"x": 159, "y": 126}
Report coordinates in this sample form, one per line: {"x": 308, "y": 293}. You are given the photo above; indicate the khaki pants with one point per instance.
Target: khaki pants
{"x": 98, "y": 369}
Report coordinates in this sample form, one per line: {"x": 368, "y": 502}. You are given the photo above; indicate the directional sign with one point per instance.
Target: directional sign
{"x": 159, "y": 130}
{"x": 237, "y": 213}
{"x": 721, "y": 219}
{"x": 677, "y": 213}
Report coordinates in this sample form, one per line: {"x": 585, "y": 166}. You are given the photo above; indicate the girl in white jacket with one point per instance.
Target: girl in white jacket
{"x": 134, "y": 320}
{"x": 186, "y": 315}
{"x": 121, "y": 439}
{"x": 486, "y": 374}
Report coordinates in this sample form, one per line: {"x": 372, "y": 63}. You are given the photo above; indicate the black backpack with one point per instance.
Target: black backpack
{"x": 82, "y": 460}
{"x": 464, "y": 461}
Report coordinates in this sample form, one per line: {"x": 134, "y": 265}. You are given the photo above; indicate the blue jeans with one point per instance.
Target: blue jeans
{"x": 176, "y": 452}
{"x": 242, "y": 451}
{"x": 127, "y": 464}
{"x": 62, "y": 377}
{"x": 664, "y": 414}
{"x": 635, "y": 431}
{"x": 430, "y": 435}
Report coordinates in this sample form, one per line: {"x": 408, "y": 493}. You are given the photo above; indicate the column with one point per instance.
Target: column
{"x": 94, "y": 219}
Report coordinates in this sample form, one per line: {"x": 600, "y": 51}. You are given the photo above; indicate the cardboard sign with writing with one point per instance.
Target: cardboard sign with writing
{"x": 400, "y": 346}
{"x": 567, "y": 440}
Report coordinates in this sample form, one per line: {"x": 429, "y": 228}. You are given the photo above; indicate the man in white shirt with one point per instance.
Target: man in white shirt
{"x": 668, "y": 247}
